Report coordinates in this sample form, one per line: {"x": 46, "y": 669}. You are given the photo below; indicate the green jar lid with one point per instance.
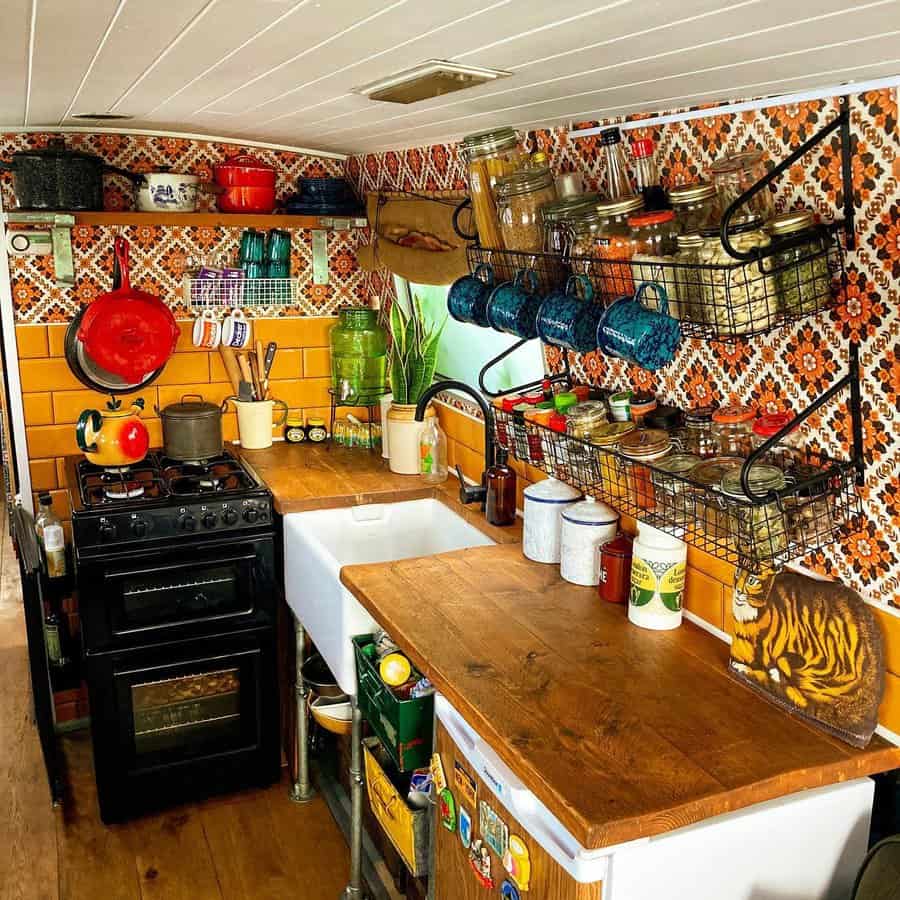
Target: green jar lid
{"x": 565, "y": 400}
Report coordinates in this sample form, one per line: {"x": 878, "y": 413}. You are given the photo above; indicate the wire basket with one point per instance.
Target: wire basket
{"x": 725, "y": 302}
{"x": 200, "y": 293}
{"x": 818, "y": 501}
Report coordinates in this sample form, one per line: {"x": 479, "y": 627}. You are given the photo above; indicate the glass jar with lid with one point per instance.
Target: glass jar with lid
{"x": 641, "y": 405}
{"x": 585, "y": 417}
{"x": 654, "y": 235}
{"x": 537, "y": 420}
{"x": 738, "y": 297}
{"x": 767, "y": 426}
{"x": 489, "y": 156}
{"x": 520, "y": 197}
{"x": 811, "y": 512}
{"x": 612, "y": 468}
{"x": 695, "y": 205}
{"x": 759, "y": 528}
{"x": 732, "y": 430}
{"x": 674, "y": 496}
{"x": 603, "y": 233}
{"x": 698, "y": 436}
{"x": 686, "y": 302}
{"x": 642, "y": 446}
{"x": 738, "y": 172}
{"x": 712, "y": 516}
{"x": 799, "y": 262}
{"x": 557, "y": 217}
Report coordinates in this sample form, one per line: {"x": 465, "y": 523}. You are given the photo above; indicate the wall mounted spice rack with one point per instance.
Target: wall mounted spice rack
{"x": 199, "y": 293}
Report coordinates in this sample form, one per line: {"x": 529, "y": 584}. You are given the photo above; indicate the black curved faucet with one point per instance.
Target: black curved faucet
{"x": 467, "y": 493}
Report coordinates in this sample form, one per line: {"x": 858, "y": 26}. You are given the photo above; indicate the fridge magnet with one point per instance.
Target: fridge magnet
{"x": 517, "y": 862}
{"x": 480, "y": 861}
{"x": 508, "y": 890}
{"x": 437, "y": 773}
{"x": 493, "y": 829}
{"x": 465, "y": 827}
{"x": 465, "y": 784}
{"x": 811, "y": 647}
{"x": 447, "y": 810}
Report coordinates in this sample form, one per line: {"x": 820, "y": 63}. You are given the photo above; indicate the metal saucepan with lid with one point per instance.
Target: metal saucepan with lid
{"x": 192, "y": 429}
{"x": 56, "y": 178}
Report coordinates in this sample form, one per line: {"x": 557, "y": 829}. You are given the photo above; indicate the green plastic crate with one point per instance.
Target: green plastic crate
{"x": 404, "y": 726}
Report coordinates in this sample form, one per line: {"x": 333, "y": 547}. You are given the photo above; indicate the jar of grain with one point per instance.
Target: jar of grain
{"x": 799, "y": 262}
{"x": 519, "y": 200}
{"x": 654, "y": 235}
{"x": 689, "y": 277}
{"x": 738, "y": 172}
{"x": 695, "y": 206}
{"x": 489, "y": 156}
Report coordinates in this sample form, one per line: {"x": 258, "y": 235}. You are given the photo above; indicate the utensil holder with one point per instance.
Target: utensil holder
{"x": 256, "y": 421}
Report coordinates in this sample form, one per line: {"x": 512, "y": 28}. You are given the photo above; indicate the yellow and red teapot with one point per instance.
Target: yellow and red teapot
{"x": 115, "y": 437}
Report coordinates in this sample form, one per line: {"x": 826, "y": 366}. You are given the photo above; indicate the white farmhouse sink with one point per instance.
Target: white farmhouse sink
{"x": 318, "y": 543}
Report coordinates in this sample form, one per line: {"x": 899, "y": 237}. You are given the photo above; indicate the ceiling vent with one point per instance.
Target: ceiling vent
{"x": 102, "y": 117}
{"x": 432, "y": 78}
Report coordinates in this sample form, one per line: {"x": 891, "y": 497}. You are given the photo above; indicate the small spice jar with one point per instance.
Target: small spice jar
{"x": 689, "y": 279}
{"x": 520, "y": 197}
{"x": 615, "y": 570}
{"x": 294, "y": 430}
{"x": 698, "y": 436}
{"x": 500, "y": 420}
{"x": 556, "y": 450}
{"x": 708, "y": 500}
{"x": 732, "y": 429}
{"x": 759, "y": 529}
{"x": 316, "y": 430}
{"x": 641, "y": 406}
{"x": 695, "y": 205}
{"x": 643, "y": 445}
{"x": 612, "y": 469}
{"x": 738, "y": 172}
{"x": 654, "y": 235}
{"x": 799, "y": 262}
{"x": 674, "y": 497}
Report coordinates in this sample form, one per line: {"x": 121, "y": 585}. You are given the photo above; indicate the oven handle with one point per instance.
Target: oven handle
{"x": 187, "y": 564}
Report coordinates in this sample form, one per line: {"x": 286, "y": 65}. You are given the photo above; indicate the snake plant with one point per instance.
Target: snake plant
{"x": 413, "y": 355}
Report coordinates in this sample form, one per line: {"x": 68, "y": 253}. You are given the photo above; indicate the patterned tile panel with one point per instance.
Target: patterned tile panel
{"x": 786, "y": 369}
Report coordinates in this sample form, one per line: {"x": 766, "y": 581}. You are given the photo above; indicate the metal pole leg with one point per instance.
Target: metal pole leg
{"x": 354, "y": 890}
{"x": 301, "y": 790}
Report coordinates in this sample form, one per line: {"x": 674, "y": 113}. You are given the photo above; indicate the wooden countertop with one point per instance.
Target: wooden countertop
{"x": 621, "y": 732}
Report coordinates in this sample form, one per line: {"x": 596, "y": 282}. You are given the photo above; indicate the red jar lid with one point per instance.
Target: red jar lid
{"x": 581, "y": 391}
{"x": 619, "y": 546}
{"x": 642, "y": 148}
{"x": 509, "y": 403}
{"x": 651, "y": 218}
{"x": 558, "y": 423}
{"x": 532, "y": 399}
{"x": 771, "y": 423}
{"x": 731, "y": 415}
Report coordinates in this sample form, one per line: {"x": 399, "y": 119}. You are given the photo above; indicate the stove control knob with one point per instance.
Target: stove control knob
{"x": 209, "y": 520}
{"x": 107, "y": 531}
{"x": 139, "y": 527}
{"x": 250, "y": 515}
{"x": 187, "y": 522}
{"x": 230, "y": 516}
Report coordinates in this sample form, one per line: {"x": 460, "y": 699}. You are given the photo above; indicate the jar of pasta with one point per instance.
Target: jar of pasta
{"x": 695, "y": 206}
{"x": 654, "y": 235}
{"x": 738, "y": 297}
{"x": 489, "y": 156}
{"x": 687, "y": 301}
{"x": 759, "y": 528}
{"x": 612, "y": 469}
{"x": 520, "y": 197}
{"x": 738, "y": 172}
{"x": 799, "y": 262}
{"x": 642, "y": 446}
{"x": 732, "y": 430}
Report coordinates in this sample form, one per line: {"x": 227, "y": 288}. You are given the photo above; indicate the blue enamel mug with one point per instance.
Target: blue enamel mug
{"x": 513, "y": 306}
{"x": 570, "y": 321}
{"x": 468, "y": 296}
{"x": 633, "y": 331}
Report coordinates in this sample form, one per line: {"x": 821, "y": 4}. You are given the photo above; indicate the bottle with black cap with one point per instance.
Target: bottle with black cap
{"x": 618, "y": 184}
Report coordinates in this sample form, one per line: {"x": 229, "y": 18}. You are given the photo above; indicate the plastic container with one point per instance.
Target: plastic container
{"x": 658, "y": 567}
{"x": 586, "y": 526}
{"x": 544, "y": 502}
{"x": 358, "y": 356}
{"x": 433, "y": 452}
{"x": 732, "y": 428}
{"x": 520, "y": 198}
{"x": 802, "y": 276}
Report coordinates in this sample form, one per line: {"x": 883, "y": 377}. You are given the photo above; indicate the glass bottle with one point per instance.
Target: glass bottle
{"x": 433, "y": 452}
{"x": 646, "y": 175}
{"x": 618, "y": 184}
{"x": 500, "y": 482}
{"x": 520, "y": 198}
{"x": 358, "y": 356}
{"x": 800, "y": 262}
{"x": 51, "y": 538}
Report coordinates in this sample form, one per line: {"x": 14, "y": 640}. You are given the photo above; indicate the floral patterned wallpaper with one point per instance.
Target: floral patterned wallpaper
{"x": 791, "y": 366}
{"x": 159, "y": 254}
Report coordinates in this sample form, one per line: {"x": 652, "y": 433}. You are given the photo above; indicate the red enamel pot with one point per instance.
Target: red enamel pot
{"x": 247, "y": 185}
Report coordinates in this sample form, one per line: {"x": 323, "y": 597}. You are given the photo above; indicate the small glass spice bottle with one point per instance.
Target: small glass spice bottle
{"x": 732, "y": 430}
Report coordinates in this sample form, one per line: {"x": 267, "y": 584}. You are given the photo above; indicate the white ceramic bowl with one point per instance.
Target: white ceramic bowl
{"x": 167, "y": 192}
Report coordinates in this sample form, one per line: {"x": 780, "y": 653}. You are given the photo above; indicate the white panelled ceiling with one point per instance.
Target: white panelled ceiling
{"x": 283, "y": 71}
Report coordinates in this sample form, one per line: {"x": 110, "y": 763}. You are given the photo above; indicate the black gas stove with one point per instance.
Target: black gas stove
{"x": 177, "y": 593}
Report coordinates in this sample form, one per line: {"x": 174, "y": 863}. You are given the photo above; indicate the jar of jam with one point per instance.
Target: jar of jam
{"x": 316, "y": 432}
{"x": 294, "y": 430}
{"x": 612, "y": 468}
{"x": 698, "y": 436}
{"x": 732, "y": 430}
{"x": 641, "y": 446}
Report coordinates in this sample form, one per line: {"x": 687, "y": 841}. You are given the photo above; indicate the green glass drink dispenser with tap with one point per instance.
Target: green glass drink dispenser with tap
{"x": 358, "y": 356}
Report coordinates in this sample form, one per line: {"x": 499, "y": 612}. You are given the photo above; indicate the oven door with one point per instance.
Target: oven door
{"x": 182, "y": 721}
{"x": 142, "y": 598}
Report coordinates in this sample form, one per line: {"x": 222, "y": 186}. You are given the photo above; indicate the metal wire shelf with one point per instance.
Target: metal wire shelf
{"x": 200, "y": 293}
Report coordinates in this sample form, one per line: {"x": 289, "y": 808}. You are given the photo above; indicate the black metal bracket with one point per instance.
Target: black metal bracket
{"x": 842, "y": 122}
{"x": 563, "y": 376}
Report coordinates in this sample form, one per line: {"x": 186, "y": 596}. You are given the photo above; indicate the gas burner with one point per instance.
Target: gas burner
{"x": 124, "y": 490}
{"x": 221, "y": 474}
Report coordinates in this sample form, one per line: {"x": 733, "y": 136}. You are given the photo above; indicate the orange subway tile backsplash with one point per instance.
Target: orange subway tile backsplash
{"x": 31, "y": 341}
{"x": 50, "y": 440}
{"x": 187, "y": 368}
{"x": 68, "y": 405}
{"x": 43, "y": 474}
{"x": 316, "y": 362}
{"x": 47, "y": 375}
{"x": 38, "y": 409}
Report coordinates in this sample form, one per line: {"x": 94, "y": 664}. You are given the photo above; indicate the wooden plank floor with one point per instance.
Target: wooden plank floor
{"x": 256, "y": 844}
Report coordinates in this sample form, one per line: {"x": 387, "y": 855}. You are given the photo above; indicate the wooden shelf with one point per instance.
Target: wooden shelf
{"x": 215, "y": 219}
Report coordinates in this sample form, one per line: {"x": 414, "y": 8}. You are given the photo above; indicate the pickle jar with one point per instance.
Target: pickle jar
{"x": 737, "y": 173}
{"x": 613, "y": 471}
{"x": 732, "y": 430}
{"x": 489, "y": 156}
{"x": 799, "y": 262}
{"x": 642, "y": 446}
{"x": 698, "y": 436}
{"x": 687, "y": 302}
{"x": 520, "y": 197}
{"x": 695, "y": 206}
{"x": 654, "y": 235}
{"x": 759, "y": 528}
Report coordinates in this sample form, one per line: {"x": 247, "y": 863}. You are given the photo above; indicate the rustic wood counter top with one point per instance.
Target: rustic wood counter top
{"x": 620, "y": 731}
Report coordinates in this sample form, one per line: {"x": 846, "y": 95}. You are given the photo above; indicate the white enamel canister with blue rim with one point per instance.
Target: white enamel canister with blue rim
{"x": 586, "y": 526}
{"x": 544, "y": 502}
